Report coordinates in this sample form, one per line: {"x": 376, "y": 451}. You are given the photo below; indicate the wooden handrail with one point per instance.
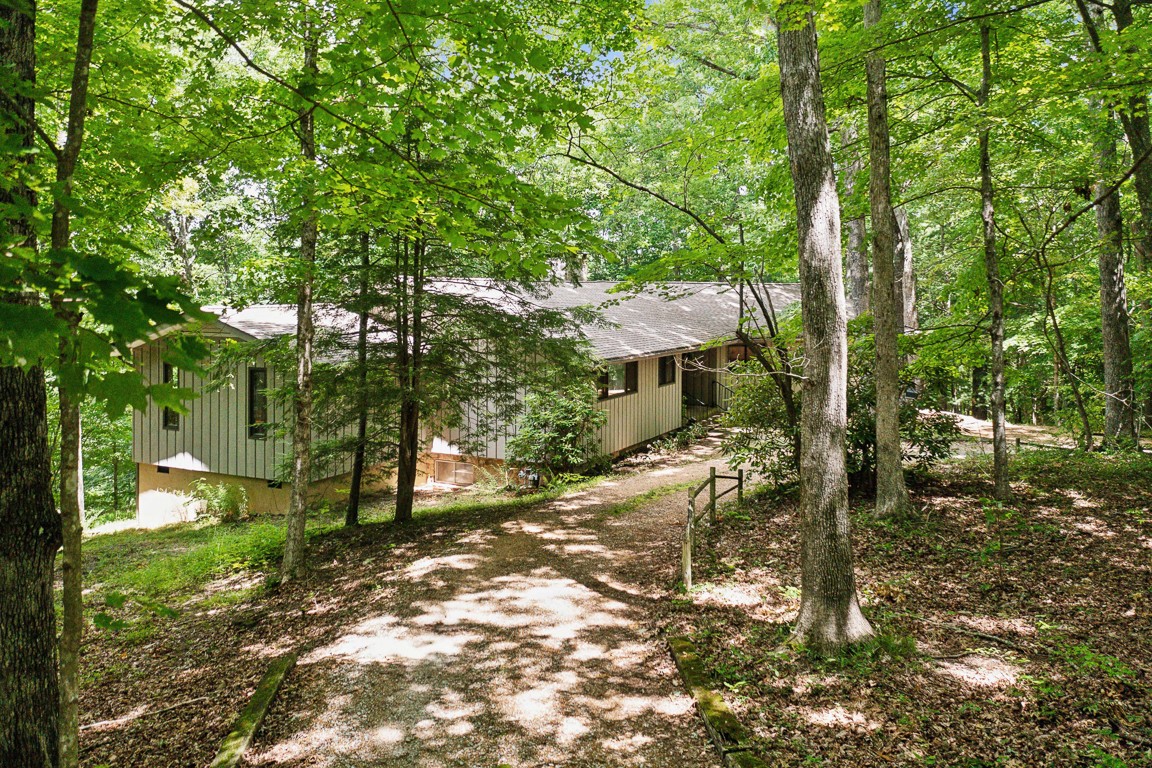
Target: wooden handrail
{"x": 710, "y": 510}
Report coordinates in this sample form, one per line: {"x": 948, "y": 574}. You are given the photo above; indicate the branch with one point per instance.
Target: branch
{"x": 701, "y": 60}
{"x": 589, "y": 161}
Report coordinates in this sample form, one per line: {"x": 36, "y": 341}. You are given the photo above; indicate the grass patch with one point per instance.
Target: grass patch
{"x": 643, "y": 499}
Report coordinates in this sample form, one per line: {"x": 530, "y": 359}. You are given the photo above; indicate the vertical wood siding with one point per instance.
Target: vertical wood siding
{"x": 213, "y": 435}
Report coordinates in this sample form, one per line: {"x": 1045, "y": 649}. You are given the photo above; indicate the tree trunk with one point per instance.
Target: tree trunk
{"x": 907, "y": 271}
{"x": 352, "y": 515}
{"x": 411, "y": 341}
{"x": 1136, "y": 127}
{"x": 29, "y": 525}
{"x": 293, "y": 564}
{"x": 995, "y": 283}
{"x": 891, "y": 494}
{"x": 70, "y": 382}
{"x": 830, "y": 616}
{"x": 857, "y": 256}
{"x": 1119, "y": 392}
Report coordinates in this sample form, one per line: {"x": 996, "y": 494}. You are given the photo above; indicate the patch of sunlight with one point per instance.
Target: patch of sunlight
{"x": 556, "y": 608}
{"x": 386, "y": 734}
{"x": 838, "y": 717}
{"x": 732, "y": 595}
{"x": 381, "y": 639}
{"x": 627, "y": 743}
{"x": 995, "y": 625}
{"x": 571, "y": 728}
{"x": 586, "y": 651}
{"x": 1094, "y": 527}
{"x": 980, "y": 671}
{"x": 1078, "y": 500}
{"x": 426, "y": 565}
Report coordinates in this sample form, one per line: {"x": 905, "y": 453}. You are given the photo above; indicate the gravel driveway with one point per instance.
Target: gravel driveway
{"x": 526, "y": 643}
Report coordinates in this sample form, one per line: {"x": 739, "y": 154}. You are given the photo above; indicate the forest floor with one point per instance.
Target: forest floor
{"x": 1016, "y": 635}
{"x": 530, "y": 631}
{"x": 489, "y": 632}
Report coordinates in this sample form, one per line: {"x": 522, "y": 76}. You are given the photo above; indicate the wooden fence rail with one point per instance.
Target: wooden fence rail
{"x": 709, "y": 510}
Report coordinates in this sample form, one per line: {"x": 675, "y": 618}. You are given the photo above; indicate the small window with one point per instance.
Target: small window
{"x": 169, "y": 418}
{"x": 738, "y": 353}
{"x": 668, "y": 370}
{"x": 257, "y": 403}
{"x": 619, "y": 380}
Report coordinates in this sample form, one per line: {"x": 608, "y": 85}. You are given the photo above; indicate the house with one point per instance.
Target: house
{"x": 661, "y": 356}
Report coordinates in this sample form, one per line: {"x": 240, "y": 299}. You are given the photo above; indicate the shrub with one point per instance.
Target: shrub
{"x": 227, "y": 502}
{"x": 762, "y": 436}
{"x": 557, "y": 432}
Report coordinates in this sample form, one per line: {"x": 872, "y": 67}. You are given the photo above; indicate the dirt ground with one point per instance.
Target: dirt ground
{"x": 485, "y": 638}
{"x": 1010, "y": 635}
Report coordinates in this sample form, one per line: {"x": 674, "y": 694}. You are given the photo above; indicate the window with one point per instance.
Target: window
{"x": 169, "y": 419}
{"x": 738, "y": 352}
{"x": 619, "y": 380}
{"x": 257, "y": 403}
{"x": 668, "y": 370}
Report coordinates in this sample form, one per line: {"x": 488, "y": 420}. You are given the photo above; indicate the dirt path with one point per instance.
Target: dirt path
{"x": 525, "y": 643}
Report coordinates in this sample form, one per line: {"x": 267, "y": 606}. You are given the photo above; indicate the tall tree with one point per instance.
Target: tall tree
{"x": 857, "y": 257}
{"x": 1119, "y": 385}
{"x": 830, "y": 616}
{"x": 30, "y": 531}
{"x": 891, "y": 493}
{"x": 992, "y": 273}
{"x": 293, "y": 562}
{"x": 71, "y": 396}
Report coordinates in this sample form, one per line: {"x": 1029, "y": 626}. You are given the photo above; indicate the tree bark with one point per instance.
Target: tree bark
{"x": 830, "y": 616}
{"x": 907, "y": 271}
{"x": 352, "y": 515}
{"x": 29, "y": 525}
{"x": 410, "y": 339}
{"x": 1119, "y": 384}
{"x": 891, "y": 493}
{"x": 293, "y": 564}
{"x": 71, "y": 378}
{"x": 857, "y": 256}
{"x": 995, "y": 282}
{"x": 1135, "y": 120}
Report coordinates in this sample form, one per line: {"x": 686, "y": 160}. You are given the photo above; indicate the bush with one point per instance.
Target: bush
{"x": 557, "y": 432}
{"x": 762, "y": 436}
{"x": 226, "y": 502}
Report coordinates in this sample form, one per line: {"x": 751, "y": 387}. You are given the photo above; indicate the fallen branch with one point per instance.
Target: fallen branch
{"x": 130, "y": 718}
{"x": 974, "y": 633}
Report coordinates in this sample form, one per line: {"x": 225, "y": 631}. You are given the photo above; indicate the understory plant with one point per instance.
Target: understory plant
{"x": 557, "y": 432}
{"x": 760, "y": 433}
{"x": 227, "y": 502}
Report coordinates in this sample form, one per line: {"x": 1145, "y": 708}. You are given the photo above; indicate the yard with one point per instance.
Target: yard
{"x": 1007, "y": 635}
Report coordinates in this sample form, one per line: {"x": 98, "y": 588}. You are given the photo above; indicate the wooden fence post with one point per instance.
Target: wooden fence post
{"x": 686, "y": 556}
{"x": 712, "y": 494}
{"x": 740, "y": 486}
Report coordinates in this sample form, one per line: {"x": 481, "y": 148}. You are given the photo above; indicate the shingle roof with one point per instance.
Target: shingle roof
{"x": 676, "y": 317}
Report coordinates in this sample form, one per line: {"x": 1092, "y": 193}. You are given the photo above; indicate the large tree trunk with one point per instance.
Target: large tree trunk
{"x": 29, "y": 525}
{"x": 995, "y": 283}
{"x": 891, "y": 494}
{"x": 907, "y": 271}
{"x": 70, "y": 380}
{"x": 857, "y": 256}
{"x": 830, "y": 616}
{"x": 1136, "y": 127}
{"x": 1119, "y": 394}
{"x": 293, "y": 563}
{"x": 352, "y": 515}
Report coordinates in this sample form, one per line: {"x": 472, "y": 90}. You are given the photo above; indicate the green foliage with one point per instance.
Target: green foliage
{"x": 227, "y": 502}
{"x": 762, "y": 435}
{"x": 681, "y": 438}
{"x": 557, "y": 432}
